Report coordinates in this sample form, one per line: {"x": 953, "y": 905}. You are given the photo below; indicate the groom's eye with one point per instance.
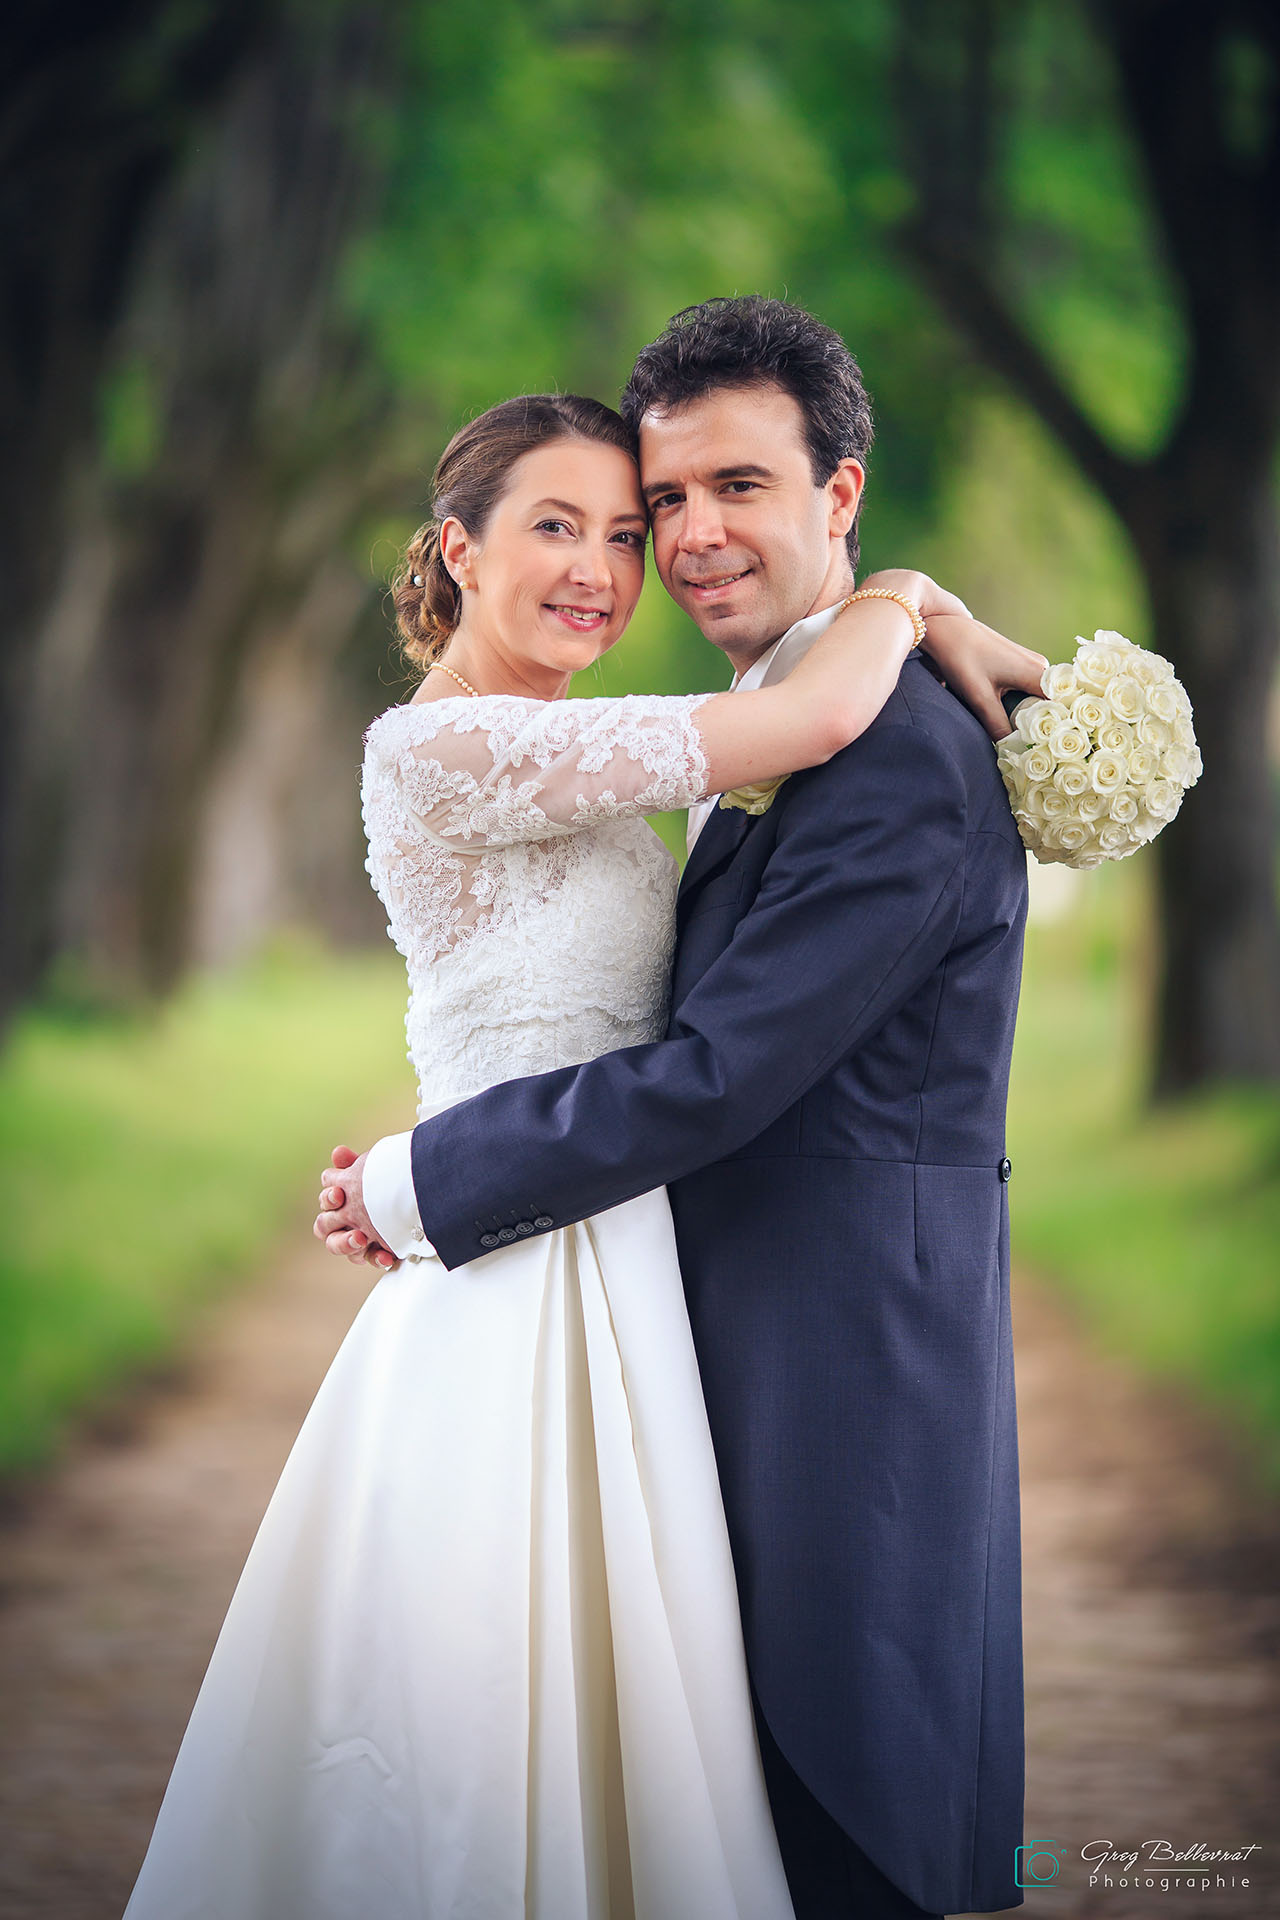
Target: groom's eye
{"x": 742, "y": 486}
{"x": 664, "y": 500}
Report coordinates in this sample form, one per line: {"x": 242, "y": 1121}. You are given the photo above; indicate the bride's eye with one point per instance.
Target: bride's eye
{"x": 550, "y": 526}
{"x": 630, "y": 537}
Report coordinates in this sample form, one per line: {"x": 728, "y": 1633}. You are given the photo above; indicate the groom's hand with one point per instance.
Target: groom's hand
{"x": 342, "y": 1222}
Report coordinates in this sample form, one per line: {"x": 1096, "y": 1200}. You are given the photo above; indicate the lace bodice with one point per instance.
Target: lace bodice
{"x": 533, "y": 904}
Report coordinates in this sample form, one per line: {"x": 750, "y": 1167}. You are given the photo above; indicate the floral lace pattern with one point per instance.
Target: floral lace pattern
{"x": 533, "y": 905}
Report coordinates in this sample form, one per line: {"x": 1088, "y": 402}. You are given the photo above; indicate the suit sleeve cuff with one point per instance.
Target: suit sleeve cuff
{"x": 389, "y": 1197}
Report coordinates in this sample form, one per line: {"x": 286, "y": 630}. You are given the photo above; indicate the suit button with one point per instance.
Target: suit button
{"x": 524, "y": 1228}
{"x": 506, "y": 1235}
{"x": 1006, "y": 1169}
{"x": 488, "y": 1240}
{"x": 543, "y": 1221}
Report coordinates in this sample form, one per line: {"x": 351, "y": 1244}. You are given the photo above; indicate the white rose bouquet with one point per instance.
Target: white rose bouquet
{"x": 1096, "y": 768}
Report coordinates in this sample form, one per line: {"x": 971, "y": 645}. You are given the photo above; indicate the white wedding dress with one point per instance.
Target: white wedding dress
{"x": 484, "y": 1661}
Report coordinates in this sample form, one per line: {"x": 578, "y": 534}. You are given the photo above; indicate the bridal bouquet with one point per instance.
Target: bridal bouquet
{"x": 1100, "y": 765}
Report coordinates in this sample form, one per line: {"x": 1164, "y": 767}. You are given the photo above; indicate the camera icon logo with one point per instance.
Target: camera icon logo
{"x": 1036, "y": 1864}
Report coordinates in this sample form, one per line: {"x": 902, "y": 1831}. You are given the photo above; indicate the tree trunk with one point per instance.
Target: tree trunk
{"x": 96, "y": 103}
{"x": 1214, "y": 582}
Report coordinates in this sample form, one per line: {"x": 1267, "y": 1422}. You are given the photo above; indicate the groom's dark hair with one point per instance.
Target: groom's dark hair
{"x": 745, "y": 341}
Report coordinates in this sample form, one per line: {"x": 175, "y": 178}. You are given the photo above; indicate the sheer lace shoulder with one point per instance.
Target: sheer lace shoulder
{"x": 533, "y": 904}
{"x": 499, "y": 770}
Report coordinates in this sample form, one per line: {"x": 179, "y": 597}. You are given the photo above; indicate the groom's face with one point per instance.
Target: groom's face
{"x": 743, "y": 538}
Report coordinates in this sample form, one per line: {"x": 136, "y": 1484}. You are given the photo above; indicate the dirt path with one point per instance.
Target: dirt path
{"x": 1152, "y": 1612}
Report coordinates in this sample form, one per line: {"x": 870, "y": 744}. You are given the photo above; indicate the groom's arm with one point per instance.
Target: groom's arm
{"x": 857, "y": 906}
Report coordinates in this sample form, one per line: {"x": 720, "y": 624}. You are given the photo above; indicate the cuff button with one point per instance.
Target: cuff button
{"x": 488, "y": 1240}
{"x": 506, "y": 1235}
{"x": 543, "y": 1221}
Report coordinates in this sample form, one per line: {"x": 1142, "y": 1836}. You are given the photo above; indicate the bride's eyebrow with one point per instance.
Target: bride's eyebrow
{"x": 567, "y": 506}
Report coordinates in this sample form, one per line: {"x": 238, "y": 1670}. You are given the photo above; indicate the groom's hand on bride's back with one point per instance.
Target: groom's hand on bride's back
{"x": 342, "y": 1222}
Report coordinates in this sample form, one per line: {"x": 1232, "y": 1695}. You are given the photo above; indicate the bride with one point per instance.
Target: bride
{"x": 484, "y": 1658}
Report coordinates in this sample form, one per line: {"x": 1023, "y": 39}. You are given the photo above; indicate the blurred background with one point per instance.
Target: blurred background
{"x": 261, "y": 257}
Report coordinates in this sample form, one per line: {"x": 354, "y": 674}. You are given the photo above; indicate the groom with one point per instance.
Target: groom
{"x": 828, "y": 1113}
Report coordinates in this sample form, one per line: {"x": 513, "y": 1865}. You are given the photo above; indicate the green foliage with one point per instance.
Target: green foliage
{"x": 1162, "y": 1226}
{"x": 155, "y": 1159}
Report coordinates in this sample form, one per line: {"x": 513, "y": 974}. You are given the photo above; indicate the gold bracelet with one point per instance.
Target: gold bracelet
{"x": 887, "y": 593}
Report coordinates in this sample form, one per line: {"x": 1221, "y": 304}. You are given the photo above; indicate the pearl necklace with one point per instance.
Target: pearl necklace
{"x": 439, "y": 667}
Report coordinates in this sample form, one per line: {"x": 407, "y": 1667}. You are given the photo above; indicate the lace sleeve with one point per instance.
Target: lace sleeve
{"x": 498, "y": 770}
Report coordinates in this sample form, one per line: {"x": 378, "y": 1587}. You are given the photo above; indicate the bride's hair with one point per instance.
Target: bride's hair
{"x": 473, "y": 473}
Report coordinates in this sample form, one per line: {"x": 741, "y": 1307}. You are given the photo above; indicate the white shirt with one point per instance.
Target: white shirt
{"x": 389, "y": 1197}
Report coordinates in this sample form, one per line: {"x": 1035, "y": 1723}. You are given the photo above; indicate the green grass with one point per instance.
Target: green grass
{"x": 152, "y": 1161}
{"x": 1162, "y": 1225}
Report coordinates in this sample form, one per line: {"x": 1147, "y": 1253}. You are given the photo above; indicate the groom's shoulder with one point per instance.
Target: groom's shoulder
{"x": 928, "y": 732}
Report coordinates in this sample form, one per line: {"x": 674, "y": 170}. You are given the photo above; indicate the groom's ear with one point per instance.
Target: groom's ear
{"x": 844, "y": 491}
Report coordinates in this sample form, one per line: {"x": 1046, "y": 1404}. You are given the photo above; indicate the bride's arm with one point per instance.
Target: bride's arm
{"x": 501, "y": 770}
{"x": 846, "y": 677}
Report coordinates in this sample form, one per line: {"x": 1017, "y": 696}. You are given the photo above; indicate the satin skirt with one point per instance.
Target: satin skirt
{"x": 484, "y": 1660}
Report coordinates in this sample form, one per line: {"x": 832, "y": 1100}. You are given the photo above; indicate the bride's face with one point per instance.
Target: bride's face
{"x": 559, "y": 569}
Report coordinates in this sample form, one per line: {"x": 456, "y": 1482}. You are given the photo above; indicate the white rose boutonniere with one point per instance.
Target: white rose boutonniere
{"x": 1100, "y": 765}
{"x": 754, "y": 799}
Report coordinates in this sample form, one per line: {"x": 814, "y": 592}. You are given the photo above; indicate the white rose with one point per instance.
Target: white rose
{"x": 1143, "y": 765}
{"x": 1123, "y": 808}
{"x": 1038, "y": 764}
{"x": 1125, "y": 698}
{"x": 1161, "y": 798}
{"x": 1072, "y": 836}
{"x": 1116, "y": 737}
{"x": 1049, "y": 716}
{"x": 1026, "y": 718}
{"x": 1112, "y": 837}
{"x": 1108, "y": 637}
{"x": 1091, "y": 805}
{"x": 1060, "y": 681}
{"x": 1154, "y": 732}
{"x": 1069, "y": 742}
{"x": 1096, "y": 667}
{"x": 1055, "y": 805}
{"x": 1163, "y": 702}
{"x": 1071, "y": 779}
{"x": 1014, "y": 775}
{"x": 1108, "y": 772}
{"x": 1088, "y": 711}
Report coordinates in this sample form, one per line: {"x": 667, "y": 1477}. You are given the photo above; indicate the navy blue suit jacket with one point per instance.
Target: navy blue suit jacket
{"x": 828, "y": 1112}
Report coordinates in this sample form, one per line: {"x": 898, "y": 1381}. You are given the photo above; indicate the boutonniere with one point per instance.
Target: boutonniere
{"x": 754, "y": 799}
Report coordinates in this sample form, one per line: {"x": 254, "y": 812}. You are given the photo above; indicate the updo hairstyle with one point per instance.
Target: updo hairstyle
{"x": 473, "y": 473}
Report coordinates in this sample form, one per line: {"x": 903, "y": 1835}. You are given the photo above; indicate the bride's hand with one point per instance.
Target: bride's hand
{"x": 926, "y": 593}
{"x": 979, "y": 665}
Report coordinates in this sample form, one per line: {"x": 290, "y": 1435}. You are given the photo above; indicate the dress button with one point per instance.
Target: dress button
{"x": 543, "y": 1221}
{"x": 1006, "y": 1169}
{"x": 488, "y": 1240}
{"x": 506, "y": 1235}
{"x": 417, "y": 1234}
{"x": 524, "y": 1228}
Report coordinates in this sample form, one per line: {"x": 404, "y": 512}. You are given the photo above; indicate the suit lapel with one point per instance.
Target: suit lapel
{"x": 723, "y": 834}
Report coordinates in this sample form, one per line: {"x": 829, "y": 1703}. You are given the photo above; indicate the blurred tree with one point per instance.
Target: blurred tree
{"x": 1015, "y": 149}
{"x": 97, "y": 103}
{"x": 242, "y": 425}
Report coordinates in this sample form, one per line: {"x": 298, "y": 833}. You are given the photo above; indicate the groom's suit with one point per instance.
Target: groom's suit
{"x": 828, "y": 1112}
